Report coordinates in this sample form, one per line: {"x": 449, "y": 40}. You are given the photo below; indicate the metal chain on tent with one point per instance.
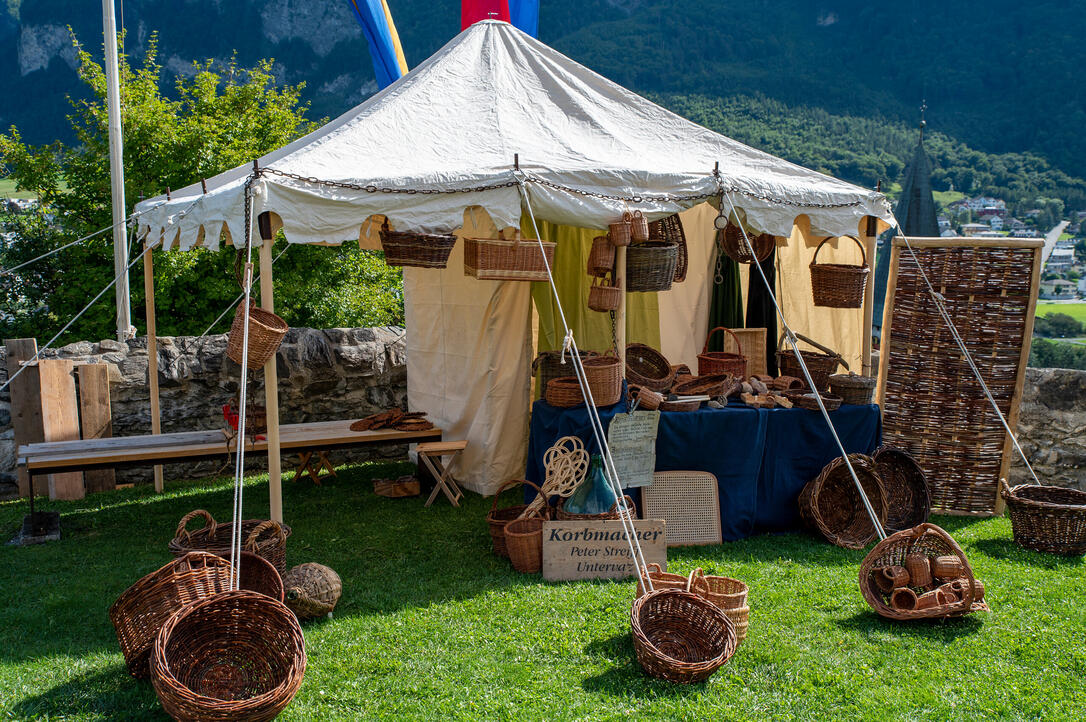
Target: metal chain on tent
{"x": 794, "y": 342}
{"x": 614, "y": 332}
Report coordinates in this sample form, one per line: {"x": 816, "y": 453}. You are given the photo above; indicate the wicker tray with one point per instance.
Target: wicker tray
{"x": 647, "y": 367}
{"x": 709, "y": 385}
{"x": 419, "y": 250}
{"x": 806, "y": 400}
{"x": 1047, "y": 518}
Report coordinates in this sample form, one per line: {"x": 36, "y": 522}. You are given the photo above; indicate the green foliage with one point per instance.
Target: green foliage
{"x": 1057, "y": 354}
{"x": 210, "y": 123}
{"x": 1058, "y": 325}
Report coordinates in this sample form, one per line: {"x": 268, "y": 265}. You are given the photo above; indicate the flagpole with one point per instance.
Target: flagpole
{"x": 116, "y": 172}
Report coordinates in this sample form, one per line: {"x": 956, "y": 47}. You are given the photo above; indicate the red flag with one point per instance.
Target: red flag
{"x": 472, "y": 11}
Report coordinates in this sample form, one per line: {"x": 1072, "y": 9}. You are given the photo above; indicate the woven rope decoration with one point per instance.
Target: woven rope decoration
{"x": 566, "y": 464}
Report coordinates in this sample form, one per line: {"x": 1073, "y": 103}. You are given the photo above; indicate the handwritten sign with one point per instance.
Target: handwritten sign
{"x": 599, "y": 549}
{"x": 632, "y": 438}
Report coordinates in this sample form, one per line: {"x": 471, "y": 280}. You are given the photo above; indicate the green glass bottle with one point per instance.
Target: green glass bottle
{"x": 594, "y": 495}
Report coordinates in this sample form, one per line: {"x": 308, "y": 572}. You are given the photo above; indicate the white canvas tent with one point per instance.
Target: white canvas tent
{"x": 491, "y": 118}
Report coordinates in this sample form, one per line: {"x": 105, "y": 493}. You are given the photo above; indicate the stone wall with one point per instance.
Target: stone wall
{"x": 1052, "y": 428}
{"x": 323, "y": 375}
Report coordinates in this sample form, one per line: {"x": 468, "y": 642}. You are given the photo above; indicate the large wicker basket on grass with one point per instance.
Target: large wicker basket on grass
{"x": 1047, "y": 518}
{"x": 832, "y": 505}
{"x": 264, "y": 537}
{"x": 680, "y": 637}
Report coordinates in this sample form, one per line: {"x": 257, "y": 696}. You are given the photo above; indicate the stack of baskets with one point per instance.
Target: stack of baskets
{"x": 679, "y": 636}
{"x": 497, "y": 519}
{"x": 728, "y": 595}
{"x": 419, "y": 250}
{"x": 1047, "y": 518}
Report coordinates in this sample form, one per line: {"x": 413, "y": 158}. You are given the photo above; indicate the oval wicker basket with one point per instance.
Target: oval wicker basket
{"x": 722, "y": 362}
{"x": 821, "y": 365}
{"x": 524, "y": 541}
{"x": 601, "y": 259}
{"x": 234, "y": 656}
{"x": 259, "y": 575}
{"x": 680, "y": 637}
{"x": 548, "y": 365}
{"x": 144, "y": 607}
{"x": 806, "y": 400}
{"x": 682, "y": 406}
{"x": 313, "y": 590}
{"x": 604, "y": 297}
{"x": 651, "y": 266}
{"x": 266, "y": 332}
{"x": 853, "y": 388}
{"x": 908, "y": 500}
{"x": 1047, "y": 518}
{"x": 419, "y": 250}
{"x": 647, "y": 367}
{"x": 710, "y": 385}
{"x": 839, "y": 285}
{"x": 831, "y": 504}
{"x": 215, "y": 538}
{"x": 735, "y": 247}
{"x": 724, "y": 592}
{"x": 496, "y": 518}
{"x": 563, "y": 392}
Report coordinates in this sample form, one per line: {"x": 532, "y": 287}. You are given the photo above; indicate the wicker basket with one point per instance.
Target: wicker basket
{"x": 313, "y": 590}
{"x": 215, "y": 538}
{"x": 234, "y": 656}
{"x": 524, "y": 542}
{"x": 619, "y": 233}
{"x": 561, "y": 514}
{"x": 680, "y": 405}
{"x": 563, "y": 392}
{"x": 670, "y": 229}
{"x": 1047, "y": 518}
{"x": 496, "y": 518}
{"x": 722, "y": 362}
{"x": 639, "y": 227}
{"x": 604, "y": 297}
{"x": 853, "y": 388}
{"x": 651, "y": 266}
{"x": 831, "y": 504}
{"x": 488, "y": 259}
{"x": 548, "y": 365}
{"x": 680, "y": 637}
{"x": 930, "y": 541}
{"x": 420, "y": 250}
{"x": 144, "y": 607}
{"x": 907, "y": 499}
{"x": 258, "y": 575}
{"x": 735, "y": 247}
{"x": 646, "y": 399}
{"x": 724, "y": 592}
{"x": 661, "y": 579}
{"x": 266, "y": 332}
{"x": 839, "y": 285}
{"x": 601, "y": 259}
{"x": 821, "y": 365}
{"x": 710, "y": 385}
{"x": 604, "y": 376}
{"x": 806, "y": 400}
{"x": 647, "y": 367}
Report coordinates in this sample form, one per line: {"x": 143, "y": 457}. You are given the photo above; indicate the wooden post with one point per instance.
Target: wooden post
{"x": 887, "y": 317}
{"x": 152, "y": 353}
{"x": 869, "y": 239}
{"x": 25, "y": 393}
{"x": 60, "y": 421}
{"x": 620, "y": 314}
{"x": 95, "y": 419}
{"x": 271, "y": 390}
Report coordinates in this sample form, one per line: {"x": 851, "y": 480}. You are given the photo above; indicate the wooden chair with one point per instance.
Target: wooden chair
{"x": 430, "y": 453}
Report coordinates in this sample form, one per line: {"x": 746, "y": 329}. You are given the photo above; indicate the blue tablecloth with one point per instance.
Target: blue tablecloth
{"x": 761, "y": 457}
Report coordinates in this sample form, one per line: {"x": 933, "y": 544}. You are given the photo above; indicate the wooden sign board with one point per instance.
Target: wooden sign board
{"x": 599, "y": 549}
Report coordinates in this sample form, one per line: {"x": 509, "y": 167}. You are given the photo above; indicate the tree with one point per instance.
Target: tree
{"x": 220, "y": 118}
{"x": 1058, "y": 325}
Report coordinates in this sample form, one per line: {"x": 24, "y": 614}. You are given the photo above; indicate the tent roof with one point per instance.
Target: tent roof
{"x": 443, "y": 138}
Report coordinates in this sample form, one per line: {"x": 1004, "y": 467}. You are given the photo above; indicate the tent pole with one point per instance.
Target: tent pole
{"x": 271, "y": 390}
{"x": 869, "y": 237}
{"x": 152, "y": 353}
{"x": 620, "y": 315}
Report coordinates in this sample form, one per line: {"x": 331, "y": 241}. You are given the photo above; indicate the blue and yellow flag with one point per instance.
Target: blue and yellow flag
{"x": 385, "y": 49}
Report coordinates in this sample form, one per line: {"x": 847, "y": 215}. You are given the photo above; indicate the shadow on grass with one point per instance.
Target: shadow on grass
{"x": 1007, "y": 550}
{"x": 943, "y": 630}
{"x": 110, "y": 694}
{"x": 625, "y": 678}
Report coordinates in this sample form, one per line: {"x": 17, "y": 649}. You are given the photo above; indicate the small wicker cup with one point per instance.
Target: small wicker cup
{"x": 266, "y": 332}
{"x": 234, "y": 656}
{"x": 496, "y": 518}
{"x": 831, "y": 504}
{"x": 839, "y": 285}
{"x": 647, "y": 367}
{"x": 1047, "y": 518}
{"x": 680, "y": 637}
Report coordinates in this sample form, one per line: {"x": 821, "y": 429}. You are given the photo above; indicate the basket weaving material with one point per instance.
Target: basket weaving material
{"x": 420, "y": 250}
{"x": 735, "y": 247}
{"x": 524, "y": 542}
{"x": 234, "y": 656}
{"x": 488, "y": 259}
{"x": 1047, "y": 518}
{"x": 266, "y": 538}
{"x": 603, "y": 296}
{"x": 670, "y": 229}
{"x": 258, "y": 575}
{"x": 821, "y": 365}
{"x": 907, "y": 499}
{"x": 839, "y": 285}
{"x": 266, "y": 332}
{"x": 853, "y": 388}
{"x": 831, "y": 504}
{"x": 722, "y": 362}
{"x": 496, "y": 518}
{"x": 548, "y": 365}
{"x": 647, "y": 367}
{"x": 144, "y": 607}
{"x": 651, "y": 266}
{"x": 680, "y": 637}
{"x": 313, "y": 590}
{"x": 601, "y": 259}
{"x": 927, "y": 540}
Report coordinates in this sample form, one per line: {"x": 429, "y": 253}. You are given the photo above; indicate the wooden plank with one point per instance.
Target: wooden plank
{"x": 95, "y": 418}
{"x": 93, "y": 446}
{"x": 25, "y": 392}
{"x": 271, "y": 391}
{"x": 599, "y": 549}
{"x": 887, "y": 319}
{"x": 868, "y": 239}
{"x": 971, "y": 242}
{"x": 60, "y": 421}
{"x": 152, "y": 352}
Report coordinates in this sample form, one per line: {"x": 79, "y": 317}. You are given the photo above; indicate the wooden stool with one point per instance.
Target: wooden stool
{"x": 313, "y": 467}
{"x": 430, "y": 453}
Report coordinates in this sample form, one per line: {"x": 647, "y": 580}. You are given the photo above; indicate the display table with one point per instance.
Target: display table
{"x": 761, "y": 457}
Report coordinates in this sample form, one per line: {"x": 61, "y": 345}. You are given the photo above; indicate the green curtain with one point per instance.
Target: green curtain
{"x": 726, "y": 304}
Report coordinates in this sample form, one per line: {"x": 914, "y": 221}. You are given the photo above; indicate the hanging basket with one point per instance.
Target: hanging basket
{"x": 639, "y": 227}
{"x": 821, "y": 365}
{"x": 735, "y": 247}
{"x": 144, "y": 607}
{"x": 258, "y": 575}
{"x": 496, "y": 518}
{"x": 266, "y": 332}
{"x": 651, "y": 266}
{"x": 647, "y": 367}
{"x": 839, "y": 285}
{"x": 548, "y": 365}
{"x": 1047, "y": 518}
{"x": 520, "y": 259}
{"x": 680, "y": 637}
{"x": 604, "y": 297}
{"x": 620, "y": 233}
{"x": 831, "y": 504}
{"x": 722, "y": 362}
{"x": 234, "y": 656}
{"x": 908, "y": 501}
{"x": 524, "y": 542}
{"x": 266, "y": 538}
{"x": 601, "y": 259}
{"x": 930, "y": 542}
{"x": 419, "y": 250}
{"x": 313, "y": 590}
{"x": 670, "y": 229}
{"x": 853, "y": 388}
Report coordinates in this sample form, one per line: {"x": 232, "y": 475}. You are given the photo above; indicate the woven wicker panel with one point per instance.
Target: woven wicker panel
{"x": 753, "y": 340}
{"x": 689, "y": 504}
{"x": 933, "y": 407}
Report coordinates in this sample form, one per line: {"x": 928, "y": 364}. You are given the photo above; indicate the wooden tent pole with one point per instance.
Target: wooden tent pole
{"x": 152, "y": 353}
{"x": 869, "y": 242}
{"x": 271, "y": 390}
{"x": 620, "y": 314}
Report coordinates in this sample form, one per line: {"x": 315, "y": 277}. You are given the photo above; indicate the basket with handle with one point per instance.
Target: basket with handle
{"x": 619, "y": 233}
{"x": 549, "y": 365}
{"x": 604, "y": 296}
{"x": 419, "y": 250}
{"x": 259, "y": 575}
{"x": 266, "y": 332}
{"x": 670, "y": 229}
{"x": 853, "y": 388}
{"x": 647, "y": 367}
{"x": 520, "y": 259}
{"x": 839, "y": 285}
{"x": 604, "y": 376}
{"x": 215, "y": 538}
{"x": 1047, "y": 518}
{"x": 650, "y": 266}
{"x": 831, "y": 504}
{"x": 729, "y": 595}
{"x": 661, "y": 579}
{"x": 722, "y": 362}
{"x": 601, "y": 259}
{"x": 821, "y": 365}
{"x": 680, "y": 637}
{"x": 524, "y": 542}
{"x": 734, "y": 246}
{"x": 639, "y": 227}
{"x": 496, "y": 518}
{"x": 564, "y": 392}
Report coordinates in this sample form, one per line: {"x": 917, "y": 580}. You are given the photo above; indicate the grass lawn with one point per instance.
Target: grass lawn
{"x": 432, "y": 626}
{"x": 1076, "y": 311}
{"x": 7, "y": 190}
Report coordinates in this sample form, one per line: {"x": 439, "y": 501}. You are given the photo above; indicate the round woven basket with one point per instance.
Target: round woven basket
{"x": 680, "y": 637}
{"x": 821, "y": 365}
{"x": 563, "y": 392}
{"x": 735, "y": 247}
{"x": 524, "y": 541}
{"x": 908, "y": 501}
{"x": 1047, "y": 518}
{"x": 144, "y": 607}
{"x": 266, "y": 538}
{"x": 839, "y": 285}
{"x": 258, "y": 575}
{"x": 496, "y": 518}
{"x": 561, "y": 514}
{"x": 549, "y": 365}
{"x": 601, "y": 259}
{"x": 313, "y": 590}
{"x": 420, "y": 250}
{"x": 647, "y": 367}
{"x": 604, "y": 376}
{"x": 853, "y": 388}
{"x": 831, "y": 504}
{"x": 266, "y": 332}
{"x": 722, "y": 362}
{"x": 806, "y": 400}
{"x": 710, "y": 385}
{"x": 234, "y": 656}
{"x": 651, "y": 266}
